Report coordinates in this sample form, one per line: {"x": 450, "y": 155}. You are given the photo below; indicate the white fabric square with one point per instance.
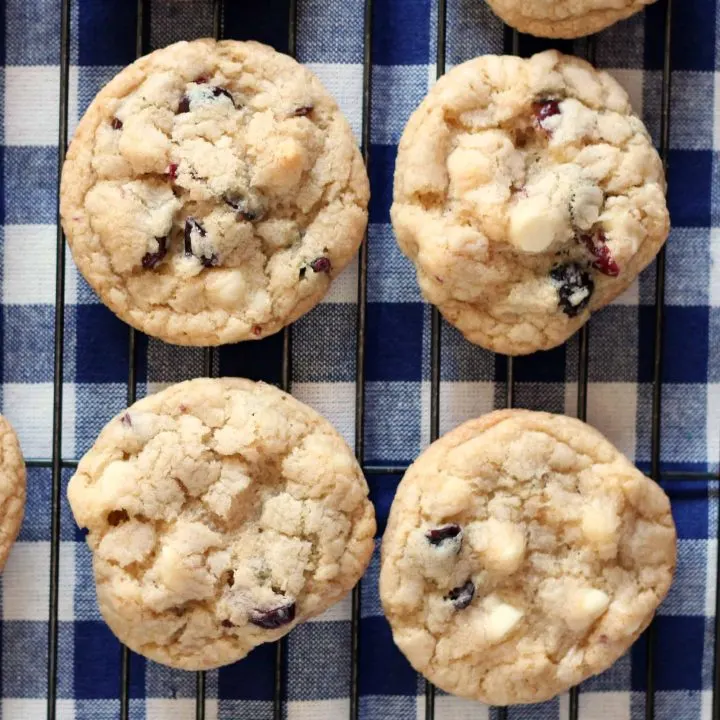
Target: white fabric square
{"x": 28, "y": 407}
{"x": 32, "y": 709}
{"x": 177, "y": 709}
{"x": 29, "y": 261}
{"x": 339, "y": 611}
{"x": 630, "y": 296}
{"x": 716, "y": 111}
{"x": 713, "y": 423}
{"x": 600, "y": 706}
{"x": 318, "y": 709}
{"x": 344, "y": 287}
{"x": 32, "y": 102}
{"x": 334, "y": 401}
{"x": 344, "y": 81}
{"x": 711, "y": 546}
{"x": 26, "y": 582}
{"x": 612, "y": 409}
{"x": 449, "y": 707}
{"x": 715, "y": 264}
{"x": 459, "y": 401}
{"x": 633, "y": 81}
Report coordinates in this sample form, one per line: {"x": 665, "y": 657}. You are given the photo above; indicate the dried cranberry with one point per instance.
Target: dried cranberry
{"x": 462, "y": 596}
{"x": 116, "y": 517}
{"x": 191, "y": 226}
{"x": 444, "y": 532}
{"x": 116, "y": 124}
{"x": 543, "y": 109}
{"x": 246, "y": 209}
{"x": 227, "y": 624}
{"x": 126, "y": 420}
{"x": 151, "y": 260}
{"x": 321, "y": 264}
{"x": 274, "y": 618}
{"x": 303, "y": 111}
{"x": 183, "y": 105}
{"x": 596, "y": 245}
{"x": 201, "y": 80}
{"x": 172, "y": 171}
{"x": 257, "y": 330}
{"x": 217, "y": 91}
{"x": 575, "y": 287}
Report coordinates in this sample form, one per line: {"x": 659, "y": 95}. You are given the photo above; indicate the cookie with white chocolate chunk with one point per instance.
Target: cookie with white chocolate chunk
{"x": 212, "y": 192}
{"x": 523, "y": 554}
{"x": 528, "y": 195}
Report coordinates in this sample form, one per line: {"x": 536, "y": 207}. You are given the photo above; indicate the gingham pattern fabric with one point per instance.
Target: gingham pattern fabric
{"x": 330, "y": 40}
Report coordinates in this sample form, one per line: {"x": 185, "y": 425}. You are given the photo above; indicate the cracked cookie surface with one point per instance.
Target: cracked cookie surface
{"x": 523, "y": 554}
{"x": 528, "y": 195}
{"x": 564, "y": 18}
{"x": 12, "y": 488}
{"x": 220, "y": 514}
{"x": 212, "y": 191}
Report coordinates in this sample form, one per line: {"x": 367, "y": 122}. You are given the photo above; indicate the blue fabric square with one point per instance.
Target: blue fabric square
{"x": 392, "y": 424}
{"x": 318, "y": 661}
{"x": 261, "y": 360}
{"x": 689, "y": 502}
{"x": 107, "y": 33}
{"x": 688, "y": 267}
{"x": 685, "y": 344}
{"x": 24, "y": 650}
{"x": 464, "y": 42}
{"x": 692, "y": 117}
{"x": 395, "y": 341}
{"x": 391, "y": 276}
{"x": 338, "y": 38}
{"x": 546, "y": 366}
{"x": 545, "y": 396}
{"x": 382, "y": 167}
{"x": 31, "y": 33}
{"x": 401, "y": 32}
{"x": 677, "y": 654}
{"x": 689, "y": 187}
{"x": 30, "y": 178}
{"x": 97, "y": 663}
{"x": 687, "y": 593}
{"x": 251, "y": 678}
{"x": 549, "y": 710}
{"x": 28, "y": 357}
{"x": 383, "y": 668}
{"x": 461, "y": 360}
{"x": 317, "y": 354}
{"x": 382, "y": 492}
{"x": 102, "y": 346}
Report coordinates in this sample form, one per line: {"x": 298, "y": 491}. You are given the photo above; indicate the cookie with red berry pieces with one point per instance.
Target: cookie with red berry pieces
{"x": 220, "y": 513}
{"x": 564, "y": 18}
{"x": 12, "y": 488}
{"x": 523, "y": 554}
{"x": 528, "y": 195}
{"x": 212, "y": 192}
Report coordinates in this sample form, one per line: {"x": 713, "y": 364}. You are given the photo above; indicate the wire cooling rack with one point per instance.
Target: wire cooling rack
{"x": 514, "y": 44}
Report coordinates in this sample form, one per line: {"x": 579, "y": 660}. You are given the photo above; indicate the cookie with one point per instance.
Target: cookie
{"x": 220, "y": 513}
{"x": 528, "y": 195}
{"x": 523, "y": 554}
{"x": 212, "y": 192}
{"x": 12, "y": 488}
{"x": 564, "y": 18}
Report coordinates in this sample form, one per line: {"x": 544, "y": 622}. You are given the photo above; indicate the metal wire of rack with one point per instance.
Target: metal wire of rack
{"x": 210, "y": 366}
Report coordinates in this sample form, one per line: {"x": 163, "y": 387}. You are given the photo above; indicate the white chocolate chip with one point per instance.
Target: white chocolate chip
{"x": 500, "y": 621}
{"x": 585, "y": 606}
{"x": 535, "y": 224}
{"x": 585, "y": 205}
{"x": 599, "y": 526}
{"x": 226, "y": 288}
{"x": 500, "y": 544}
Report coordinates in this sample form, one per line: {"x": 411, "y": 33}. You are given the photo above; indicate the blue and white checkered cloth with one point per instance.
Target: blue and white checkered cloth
{"x": 330, "y": 41}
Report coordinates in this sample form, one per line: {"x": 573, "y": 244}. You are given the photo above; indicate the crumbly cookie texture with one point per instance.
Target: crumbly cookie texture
{"x": 12, "y": 488}
{"x": 528, "y": 195}
{"x": 564, "y": 18}
{"x": 523, "y": 554}
{"x": 212, "y": 191}
{"x": 220, "y": 513}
